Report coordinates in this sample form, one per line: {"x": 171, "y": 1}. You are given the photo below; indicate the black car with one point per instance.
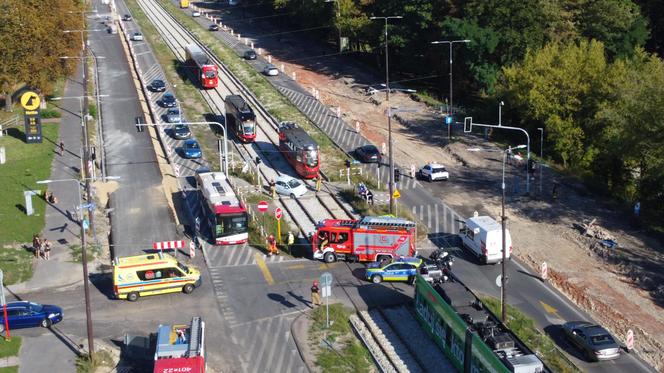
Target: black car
{"x": 214, "y": 27}
{"x": 168, "y": 100}
{"x": 368, "y": 154}
{"x": 181, "y": 132}
{"x": 593, "y": 340}
{"x": 250, "y": 55}
{"x": 157, "y": 85}
{"x": 126, "y": 17}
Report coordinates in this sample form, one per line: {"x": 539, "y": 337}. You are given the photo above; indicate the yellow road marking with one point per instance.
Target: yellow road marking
{"x": 264, "y": 269}
{"x": 295, "y": 266}
{"x": 327, "y": 265}
{"x": 549, "y": 309}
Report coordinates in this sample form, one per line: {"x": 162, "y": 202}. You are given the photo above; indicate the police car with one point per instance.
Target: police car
{"x": 401, "y": 269}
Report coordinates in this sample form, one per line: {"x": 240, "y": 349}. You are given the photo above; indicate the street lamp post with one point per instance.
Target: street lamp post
{"x": 541, "y": 157}
{"x": 451, "y": 107}
{"x": 503, "y": 277}
{"x": 389, "y": 116}
{"x": 84, "y": 257}
{"x": 338, "y": 18}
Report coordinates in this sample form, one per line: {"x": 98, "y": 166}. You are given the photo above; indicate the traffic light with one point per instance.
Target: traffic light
{"x": 397, "y": 175}
{"x": 532, "y": 165}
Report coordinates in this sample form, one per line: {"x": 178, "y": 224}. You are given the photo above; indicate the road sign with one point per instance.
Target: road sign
{"x": 396, "y": 194}
{"x": 448, "y": 120}
{"x": 278, "y": 213}
{"x": 544, "y": 271}
{"x": 499, "y": 280}
{"x": 192, "y": 249}
{"x": 88, "y": 206}
{"x": 326, "y": 291}
{"x": 168, "y": 245}
{"x": 262, "y": 206}
{"x": 630, "y": 340}
{"x": 32, "y": 127}
{"x": 326, "y": 279}
{"x": 86, "y": 224}
{"x": 383, "y": 148}
{"x": 30, "y": 101}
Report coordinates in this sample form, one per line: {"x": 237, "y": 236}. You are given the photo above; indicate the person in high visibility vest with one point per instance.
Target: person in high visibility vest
{"x": 290, "y": 241}
{"x": 319, "y": 182}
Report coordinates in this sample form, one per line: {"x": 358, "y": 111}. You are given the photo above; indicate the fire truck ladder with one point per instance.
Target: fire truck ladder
{"x": 386, "y": 222}
{"x": 195, "y": 336}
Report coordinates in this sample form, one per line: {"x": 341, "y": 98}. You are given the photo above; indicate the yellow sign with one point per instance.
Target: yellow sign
{"x": 30, "y": 101}
{"x": 396, "y": 194}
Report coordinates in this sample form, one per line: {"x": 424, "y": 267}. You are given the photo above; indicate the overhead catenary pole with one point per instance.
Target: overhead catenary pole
{"x": 541, "y": 158}
{"x": 451, "y": 105}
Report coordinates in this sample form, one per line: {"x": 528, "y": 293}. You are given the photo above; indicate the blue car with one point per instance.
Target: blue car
{"x": 402, "y": 269}
{"x": 191, "y": 149}
{"x": 29, "y": 314}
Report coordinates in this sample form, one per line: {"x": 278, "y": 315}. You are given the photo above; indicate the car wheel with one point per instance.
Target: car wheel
{"x": 132, "y": 297}
{"x": 430, "y": 178}
{"x": 188, "y": 289}
{"x": 329, "y": 257}
{"x": 292, "y": 195}
{"x": 46, "y": 323}
{"x": 2, "y": 328}
{"x": 411, "y": 279}
{"x": 376, "y": 279}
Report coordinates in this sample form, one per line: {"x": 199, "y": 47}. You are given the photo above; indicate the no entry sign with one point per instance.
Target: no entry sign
{"x": 278, "y": 213}
{"x": 262, "y": 206}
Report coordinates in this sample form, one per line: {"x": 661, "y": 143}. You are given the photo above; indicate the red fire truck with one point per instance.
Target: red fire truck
{"x": 180, "y": 348}
{"x": 205, "y": 70}
{"x": 226, "y": 215}
{"x": 368, "y": 239}
{"x": 300, "y": 149}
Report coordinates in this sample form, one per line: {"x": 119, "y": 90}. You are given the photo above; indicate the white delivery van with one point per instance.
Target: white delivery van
{"x": 483, "y": 236}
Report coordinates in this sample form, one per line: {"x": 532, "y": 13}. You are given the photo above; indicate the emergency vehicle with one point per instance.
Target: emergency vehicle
{"x": 151, "y": 274}
{"x": 180, "y": 348}
{"x": 225, "y": 214}
{"x": 368, "y": 239}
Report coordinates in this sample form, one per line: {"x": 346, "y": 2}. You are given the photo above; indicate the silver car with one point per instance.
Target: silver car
{"x": 593, "y": 340}
{"x": 271, "y": 70}
{"x": 289, "y": 186}
{"x": 173, "y": 115}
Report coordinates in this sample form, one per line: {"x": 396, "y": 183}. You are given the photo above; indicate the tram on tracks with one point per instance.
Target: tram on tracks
{"x": 301, "y": 151}
{"x": 240, "y": 118}
{"x": 226, "y": 215}
{"x": 205, "y": 70}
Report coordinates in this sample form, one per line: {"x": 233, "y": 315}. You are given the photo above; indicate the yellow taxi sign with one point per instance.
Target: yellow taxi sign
{"x": 396, "y": 194}
{"x": 30, "y": 101}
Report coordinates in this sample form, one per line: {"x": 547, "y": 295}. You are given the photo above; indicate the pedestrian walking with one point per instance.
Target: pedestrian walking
{"x": 62, "y": 148}
{"x": 273, "y": 189}
{"x": 370, "y": 197}
{"x": 36, "y": 245}
{"x": 315, "y": 294}
{"x": 290, "y": 241}
{"x": 319, "y": 182}
{"x": 47, "y": 249}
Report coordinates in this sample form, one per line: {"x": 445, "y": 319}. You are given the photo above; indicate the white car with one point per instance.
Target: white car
{"x": 195, "y": 13}
{"x": 271, "y": 70}
{"x": 289, "y": 186}
{"x": 433, "y": 172}
{"x": 137, "y": 36}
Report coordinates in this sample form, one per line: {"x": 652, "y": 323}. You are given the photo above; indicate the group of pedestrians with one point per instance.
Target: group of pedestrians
{"x": 41, "y": 247}
{"x": 365, "y": 193}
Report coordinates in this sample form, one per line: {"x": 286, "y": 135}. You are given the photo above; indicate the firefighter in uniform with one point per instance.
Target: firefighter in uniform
{"x": 272, "y": 246}
{"x": 315, "y": 294}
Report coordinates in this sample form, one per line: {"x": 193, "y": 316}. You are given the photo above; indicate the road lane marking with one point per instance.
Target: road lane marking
{"x": 266, "y": 272}
{"x": 296, "y": 266}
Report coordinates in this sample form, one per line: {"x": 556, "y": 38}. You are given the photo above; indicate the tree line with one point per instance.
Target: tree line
{"x": 32, "y": 41}
{"x": 587, "y": 71}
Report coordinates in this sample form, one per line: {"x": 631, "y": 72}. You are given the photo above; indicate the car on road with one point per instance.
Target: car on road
{"x": 137, "y": 36}
{"x": 29, "y": 314}
{"x": 401, "y": 269}
{"x": 250, "y": 55}
{"x": 214, "y": 27}
{"x": 593, "y": 340}
{"x": 433, "y": 172}
{"x": 173, "y": 115}
{"x": 157, "y": 85}
{"x": 270, "y": 70}
{"x": 181, "y": 132}
{"x": 195, "y": 13}
{"x": 168, "y": 100}
{"x": 368, "y": 154}
{"x": 126, "y": 17}
{"x": 290, "y": 186}
{"x": 191, "y": 149}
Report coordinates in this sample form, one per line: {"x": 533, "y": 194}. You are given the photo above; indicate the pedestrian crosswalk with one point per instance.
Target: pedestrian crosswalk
{"x": 439, "y": 218}
{"x": 239, "y": 255}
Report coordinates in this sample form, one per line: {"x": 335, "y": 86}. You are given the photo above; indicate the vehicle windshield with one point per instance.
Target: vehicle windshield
{"x": 248, "y": 128}
{"x": 311, "y": 158}
{"x": 294, "y": 183}
{"x": 183, "y": 267}
{"x": 192, "y": 145}
{"x": 210, "y": 74}
{"x": 604, "y": 339}
{"x": 371, "y": 150}
{"x": 229, "y": 225}
{"x": 181, "y": 127}
{"x": 36, "y": 307}
{"x": 438, "y": 169}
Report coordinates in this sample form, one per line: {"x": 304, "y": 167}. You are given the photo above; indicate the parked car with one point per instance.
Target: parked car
{"x": 30, "y": 314}
{"x": 368, "y": 154}
{"x": 168, "y": 100}
{"x": 402, "y": 269}
{"x": 214, "y": 27}
{"x": 433, "y": 172}
{"x": 191, "y": 149}
{"x": 157, "y": 85}
{"x": 271, "y": 70}
{"x": 195, "y": 13}
{"x": 173, "y": 115}
{"x": 594, "y": 341}
{"x": 181, "y": 132}
{"x": 137, "y": 36}
{"x": 250, "y": 55}
{"x": 289, "y": 186}
{"x": 126, "y": 17}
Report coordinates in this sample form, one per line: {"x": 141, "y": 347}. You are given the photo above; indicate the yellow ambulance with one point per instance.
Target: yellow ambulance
{"x": 152, "y": 274}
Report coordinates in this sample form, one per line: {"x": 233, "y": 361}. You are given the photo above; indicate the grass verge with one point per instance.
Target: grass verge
{"x": 99, "y": 359}
{"x": 16, "y": 264}
{"x": 347, "y": 353}
{"x": 524, "y": 327}
{"x": 92, "y": 250}
{"x": 25, "y": 165}
{"x": 10, "y": 348}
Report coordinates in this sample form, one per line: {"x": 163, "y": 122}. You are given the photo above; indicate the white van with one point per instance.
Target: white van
{"x": 483, "y": 236}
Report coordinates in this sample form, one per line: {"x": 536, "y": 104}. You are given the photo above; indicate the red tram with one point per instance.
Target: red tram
{"x": 204, "y": 69}
{"x": 240, "y": 118}
{"x": 300, "y": 150}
